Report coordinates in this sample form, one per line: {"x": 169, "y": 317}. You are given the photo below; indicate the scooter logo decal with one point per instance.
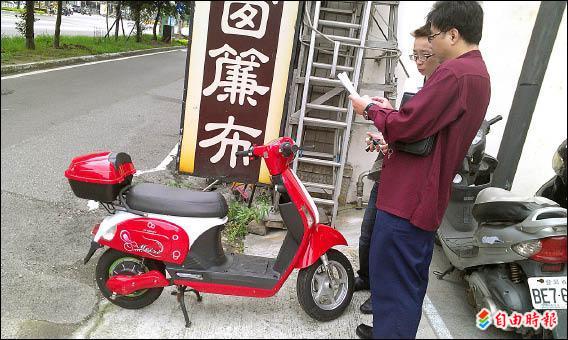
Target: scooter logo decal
{"x": 131, "y": 245}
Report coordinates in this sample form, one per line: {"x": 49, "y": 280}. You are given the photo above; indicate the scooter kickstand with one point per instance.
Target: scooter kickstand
{"x": 180, "y": 294}
{"x": 199, "y": 298}
{"x": 440, "y": 276}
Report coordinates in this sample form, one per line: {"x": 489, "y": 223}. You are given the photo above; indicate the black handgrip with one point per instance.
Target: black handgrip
{"x": 495, "y": 120}
{"x": 244, "y": 153}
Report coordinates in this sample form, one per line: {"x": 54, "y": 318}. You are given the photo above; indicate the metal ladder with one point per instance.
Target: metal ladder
{"x": 344, "y": 116}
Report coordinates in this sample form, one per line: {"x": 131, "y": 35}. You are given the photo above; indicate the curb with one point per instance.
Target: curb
{"x": 41, "y": 65}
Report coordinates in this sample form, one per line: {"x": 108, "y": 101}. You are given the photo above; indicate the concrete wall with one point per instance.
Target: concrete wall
{"x": 506, "y": 34}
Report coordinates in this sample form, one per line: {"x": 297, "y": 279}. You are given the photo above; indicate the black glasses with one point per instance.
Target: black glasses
{"x": 420, "y": 57}
{"x": 432, "y": 36}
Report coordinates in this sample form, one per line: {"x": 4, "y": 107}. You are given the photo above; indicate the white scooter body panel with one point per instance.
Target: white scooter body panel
{"x": 193, "y": 226}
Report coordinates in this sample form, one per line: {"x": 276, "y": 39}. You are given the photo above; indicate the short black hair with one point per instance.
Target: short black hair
{"x": 422, "y": 32}
{"x": 465, "y": 16}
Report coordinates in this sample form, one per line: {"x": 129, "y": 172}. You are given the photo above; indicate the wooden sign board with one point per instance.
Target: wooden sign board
{"x": 238, "y": 67}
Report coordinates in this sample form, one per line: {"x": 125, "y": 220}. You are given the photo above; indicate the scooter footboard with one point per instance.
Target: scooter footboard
{"x": 322, "y": 240}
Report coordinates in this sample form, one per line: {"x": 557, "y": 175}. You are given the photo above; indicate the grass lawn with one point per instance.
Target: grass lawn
{"x": 15, "y": 52}
{"x": 21, "y": 9}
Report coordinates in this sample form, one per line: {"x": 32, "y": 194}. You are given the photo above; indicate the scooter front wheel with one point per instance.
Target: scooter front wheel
{"x": 114, "y": 262}
{"x": 324, "y": 295}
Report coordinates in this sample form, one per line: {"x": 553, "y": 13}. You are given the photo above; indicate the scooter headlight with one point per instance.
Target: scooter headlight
{"x": 528, "y": 249}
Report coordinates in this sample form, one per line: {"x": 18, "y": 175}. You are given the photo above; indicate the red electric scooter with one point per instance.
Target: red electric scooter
{"x": 159, "y": 236}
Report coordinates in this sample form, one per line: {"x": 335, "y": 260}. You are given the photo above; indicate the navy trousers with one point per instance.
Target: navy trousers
{"x": 366, "y": 233}
{"x": 400, "y": 256}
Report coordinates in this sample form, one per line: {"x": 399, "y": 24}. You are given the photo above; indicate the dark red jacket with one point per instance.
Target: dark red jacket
{"x": 452, "y": 104}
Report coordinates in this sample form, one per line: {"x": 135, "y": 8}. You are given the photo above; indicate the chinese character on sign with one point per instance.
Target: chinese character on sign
{"x": 235, "y": 141}
{"x": 234, "y": 75}
{"x": 500, "y": 319}
{"x": 516, "y": 320}
{"x": 549, "y": 319}
{"x": 532, "y": 319}
{"x": 244, "y": 18}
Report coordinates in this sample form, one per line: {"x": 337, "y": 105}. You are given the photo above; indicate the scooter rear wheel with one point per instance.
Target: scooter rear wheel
{"x": 321, "y": 298}
{"x": 113, "y": 262}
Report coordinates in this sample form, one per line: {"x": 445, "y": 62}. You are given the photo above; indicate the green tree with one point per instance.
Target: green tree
{"x": 185, "y": 13}
{"x": 158, "y": 5}
{"x": 137, "y": 10}
{"x": 161, "y": 8}
{"x": 25, "y": 24}
{"x": 118, "y": 18}
{"x": 58, "y": 24}
{"x": 136, "y": 7}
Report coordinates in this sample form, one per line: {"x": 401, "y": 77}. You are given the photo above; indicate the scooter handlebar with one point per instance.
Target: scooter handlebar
{"x": 244, "y": 153}
{"x": 495, "y": 120}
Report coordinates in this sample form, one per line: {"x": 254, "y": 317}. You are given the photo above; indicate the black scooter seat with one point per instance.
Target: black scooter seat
{"x": 163, "y": 200}
{"x": 496, "y": 205}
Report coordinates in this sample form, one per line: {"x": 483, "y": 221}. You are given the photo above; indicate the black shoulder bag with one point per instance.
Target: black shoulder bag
{"x": 420, "y": 148}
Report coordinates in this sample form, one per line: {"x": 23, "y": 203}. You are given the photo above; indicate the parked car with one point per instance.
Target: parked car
{"x": 66, "y": 11}
{"x": 76, "y": 8}
{"x": 86, "y": 11}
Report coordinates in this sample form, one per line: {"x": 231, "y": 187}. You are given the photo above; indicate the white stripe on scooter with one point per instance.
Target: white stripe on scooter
{"x": 442, "y": 332}
{"x": 85, "y": 64}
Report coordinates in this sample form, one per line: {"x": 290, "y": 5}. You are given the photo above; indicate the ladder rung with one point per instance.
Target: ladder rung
{"x": 388, "y": 3}
{"x": 325, "y": 107}
{"x": 336, "y": 10}
{"x": 324, "y": 122}
{"x": 323, "y": 201}
{"x": 318, "y": 161}
{"x": 328, "y": 67}
{"x": 341, "y": 38}
{"x": 338, "y": 24}
{"x": 317, "y": 154}
{"x": 319, "y": 186}
{"x": 325, "y": 81}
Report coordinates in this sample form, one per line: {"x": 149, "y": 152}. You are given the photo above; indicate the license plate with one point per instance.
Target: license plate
{"x": 548, "y": 292}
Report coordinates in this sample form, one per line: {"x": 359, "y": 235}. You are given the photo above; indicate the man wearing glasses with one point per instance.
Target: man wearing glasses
{"x": 422, "y": 56}
{"x": 414, "y": 190}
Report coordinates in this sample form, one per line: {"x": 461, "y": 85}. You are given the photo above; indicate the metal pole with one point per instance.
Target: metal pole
{"x": 251, "y": 195}
{"x": 534, "y": 67}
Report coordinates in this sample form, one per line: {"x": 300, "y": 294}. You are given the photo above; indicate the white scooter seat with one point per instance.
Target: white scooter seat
{"x": 164, "y": 200}
{"x": 496, "y": 205}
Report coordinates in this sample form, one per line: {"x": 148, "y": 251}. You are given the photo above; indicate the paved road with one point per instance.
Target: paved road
{"x": 132, "y": 105}
{"x": 76, "y": 24}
